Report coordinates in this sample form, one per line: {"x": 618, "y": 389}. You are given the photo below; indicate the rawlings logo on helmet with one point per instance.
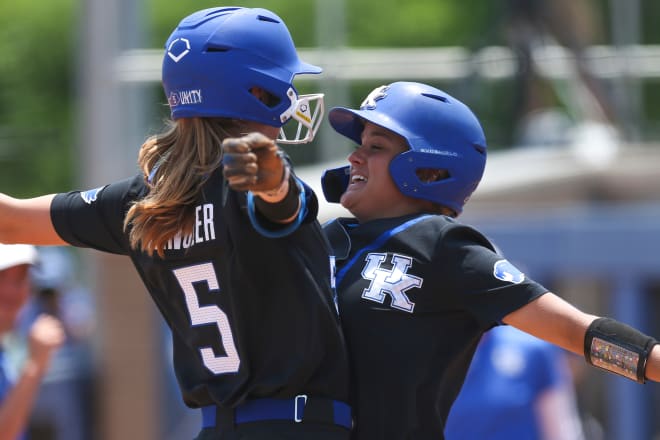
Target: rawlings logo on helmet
{"x": 376, "y": 94}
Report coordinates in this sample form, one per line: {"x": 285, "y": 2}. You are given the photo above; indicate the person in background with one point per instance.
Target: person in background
{"x": 64, "y": 408}
{"x": 17, "y": 394}
{"x": 517, "y": 387}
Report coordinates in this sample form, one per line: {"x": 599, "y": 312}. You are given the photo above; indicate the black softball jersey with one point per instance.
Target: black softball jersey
{"x": 415, "y": 295}
{"x": 251, "y": 316}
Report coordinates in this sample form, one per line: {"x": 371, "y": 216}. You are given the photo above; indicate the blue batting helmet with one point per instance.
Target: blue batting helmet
{"x": 442, "y": 134}
{"x": 215, "y": 56}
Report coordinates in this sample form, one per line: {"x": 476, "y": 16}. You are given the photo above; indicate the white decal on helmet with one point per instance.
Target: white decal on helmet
{"x": 177, "y": 58}
{"x": 376, "y": 94}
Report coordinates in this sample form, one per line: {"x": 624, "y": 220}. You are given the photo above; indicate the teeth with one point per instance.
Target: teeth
{"x": 358, "y": 178}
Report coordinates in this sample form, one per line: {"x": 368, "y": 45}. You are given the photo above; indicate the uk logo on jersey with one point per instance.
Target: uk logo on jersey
{"x": 394, "y": 282}
{"x": 90, "y": 196}
{"x": 505, "y": 271}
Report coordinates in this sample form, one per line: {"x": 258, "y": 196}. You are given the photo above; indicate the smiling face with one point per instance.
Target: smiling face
{"x": 371, "y": 192}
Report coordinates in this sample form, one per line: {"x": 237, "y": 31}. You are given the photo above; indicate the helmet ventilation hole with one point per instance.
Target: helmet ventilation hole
{"x": 430, "y": 175}
{"x": 438, "y": 97}
{"x": 265, "y": 18}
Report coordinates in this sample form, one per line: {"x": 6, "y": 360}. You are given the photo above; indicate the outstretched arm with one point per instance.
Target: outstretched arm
{"x": 653, "y": 366}
{"x": 551, "y": 318}
{"x": 27, "y": 221}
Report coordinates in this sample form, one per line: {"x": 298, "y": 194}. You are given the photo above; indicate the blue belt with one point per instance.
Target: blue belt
{"x": 318, "y": 410}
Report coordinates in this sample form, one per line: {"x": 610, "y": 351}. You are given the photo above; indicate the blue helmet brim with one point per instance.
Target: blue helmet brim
{"x": 306, "y": 68}
{"x": 349, "y": 122}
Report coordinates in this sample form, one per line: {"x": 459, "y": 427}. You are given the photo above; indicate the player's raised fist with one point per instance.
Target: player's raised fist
{"x": 253, "y": 163}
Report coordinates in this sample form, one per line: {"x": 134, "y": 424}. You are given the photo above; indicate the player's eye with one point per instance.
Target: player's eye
{"x": 367, "y": 147}
{"x": 373, "y": 146}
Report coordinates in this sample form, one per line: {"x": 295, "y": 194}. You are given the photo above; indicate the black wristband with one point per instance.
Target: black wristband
{"x": 618, "y": 348}
{"x": 285, "y": 208}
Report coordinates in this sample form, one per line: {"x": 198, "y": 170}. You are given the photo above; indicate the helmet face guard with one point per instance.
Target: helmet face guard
{"x": 442, "y": 134}
{"x": 307, "y": 114}
{"x": 216, "y": 57}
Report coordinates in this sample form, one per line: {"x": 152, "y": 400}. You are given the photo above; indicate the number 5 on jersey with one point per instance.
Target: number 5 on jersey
{"x": 207, "y": 315}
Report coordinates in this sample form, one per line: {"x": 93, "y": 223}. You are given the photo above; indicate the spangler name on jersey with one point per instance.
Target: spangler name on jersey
{"x": 204, "y": 229}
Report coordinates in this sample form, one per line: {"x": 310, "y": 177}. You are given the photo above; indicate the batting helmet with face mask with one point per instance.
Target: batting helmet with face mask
{"x": 216, "y": 56}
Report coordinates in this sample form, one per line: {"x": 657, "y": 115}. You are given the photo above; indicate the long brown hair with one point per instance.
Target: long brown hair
{"x": 176, "y": 163}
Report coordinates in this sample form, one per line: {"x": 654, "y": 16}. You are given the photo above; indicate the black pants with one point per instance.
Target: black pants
{"x": 277, "y": 430}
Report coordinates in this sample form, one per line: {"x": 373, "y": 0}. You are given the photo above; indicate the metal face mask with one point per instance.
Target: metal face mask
{"x": 307, "y": 114}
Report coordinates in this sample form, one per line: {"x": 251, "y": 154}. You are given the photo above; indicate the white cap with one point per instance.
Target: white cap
{"x": 16, "y": 254}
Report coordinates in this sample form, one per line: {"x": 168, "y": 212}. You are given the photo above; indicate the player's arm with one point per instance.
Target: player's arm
{"x": 551, "y": 318}
{"x": 653, "y": 366}
{"x": 27, "y": 221}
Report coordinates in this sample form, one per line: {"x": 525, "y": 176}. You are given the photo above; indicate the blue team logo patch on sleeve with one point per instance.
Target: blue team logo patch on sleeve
{"x": 505, "y": 271}
{"x": 90, "y": 196}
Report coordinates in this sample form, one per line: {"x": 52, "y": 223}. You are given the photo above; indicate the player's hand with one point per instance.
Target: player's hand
{"x": 253, "y": 163}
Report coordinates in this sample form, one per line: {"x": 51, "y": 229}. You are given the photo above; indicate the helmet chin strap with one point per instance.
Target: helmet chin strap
{"x": 307, "y": 111}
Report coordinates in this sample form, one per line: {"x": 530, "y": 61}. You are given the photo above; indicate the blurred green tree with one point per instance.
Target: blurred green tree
{"x": 37, "y": 74}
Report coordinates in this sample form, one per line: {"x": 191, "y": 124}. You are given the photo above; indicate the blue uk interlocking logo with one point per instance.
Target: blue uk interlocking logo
{"x": 91, "y": 195}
